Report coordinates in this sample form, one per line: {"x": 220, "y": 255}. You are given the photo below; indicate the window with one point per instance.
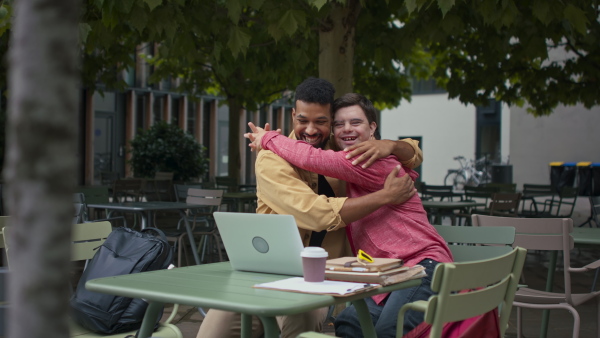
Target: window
{"x": 191, "y": 116}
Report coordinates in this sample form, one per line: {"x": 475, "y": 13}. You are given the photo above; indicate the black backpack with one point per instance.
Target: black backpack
{"x": 125, "y": 251}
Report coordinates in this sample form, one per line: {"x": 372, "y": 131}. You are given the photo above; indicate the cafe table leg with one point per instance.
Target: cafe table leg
{"x": 149, "y": 320}
{"x": 364, "y": 318}
{"x": 246, "y": 330}
{"x": 549, "y": 286}
{"x": 270, "y": 326}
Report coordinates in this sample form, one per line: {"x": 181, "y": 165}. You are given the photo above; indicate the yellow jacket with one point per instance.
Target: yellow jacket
{"x": 285, "y": 189}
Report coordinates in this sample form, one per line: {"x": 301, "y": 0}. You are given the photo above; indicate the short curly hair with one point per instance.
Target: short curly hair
{"x": 315, "y": 90}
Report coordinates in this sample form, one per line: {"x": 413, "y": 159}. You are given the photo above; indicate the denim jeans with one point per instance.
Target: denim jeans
{"x": 385, "y": 315}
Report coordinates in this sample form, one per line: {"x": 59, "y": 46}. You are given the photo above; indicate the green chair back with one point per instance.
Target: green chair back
{"x": 476, "y": 243}
{"x": 95, "y": 194}
{"x": 468, "y": 289}
{"x": 502, "y": 187}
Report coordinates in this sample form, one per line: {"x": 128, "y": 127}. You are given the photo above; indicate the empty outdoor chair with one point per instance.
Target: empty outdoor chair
{"x": 129, "y": 189}
{"x": 560, "y": 207}
{"x": 212, "y": 199}
{"x": 505, "y": 204}
{"x": 533, "y": 193}
{"x": 439, "y": 192}
{"x": 547, "y": 234}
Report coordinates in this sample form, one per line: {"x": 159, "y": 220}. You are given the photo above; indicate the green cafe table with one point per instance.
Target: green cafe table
{"x": 218, "y": 286}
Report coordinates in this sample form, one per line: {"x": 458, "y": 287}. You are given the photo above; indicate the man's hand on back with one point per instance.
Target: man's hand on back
{"x": 398, "y": 189}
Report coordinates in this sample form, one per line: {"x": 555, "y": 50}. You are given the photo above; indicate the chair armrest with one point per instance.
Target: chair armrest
{"x": 419, "y": 305}
{"x": 591, "y": 266}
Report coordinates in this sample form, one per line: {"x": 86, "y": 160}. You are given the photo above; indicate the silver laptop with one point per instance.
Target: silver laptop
{"x": 261, "y": 242}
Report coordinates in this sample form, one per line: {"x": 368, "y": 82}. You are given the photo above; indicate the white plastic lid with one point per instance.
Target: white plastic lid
{"x": 314, "y": 251}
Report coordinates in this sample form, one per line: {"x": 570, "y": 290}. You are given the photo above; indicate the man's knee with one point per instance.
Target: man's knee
{"x": 292, "y": 326}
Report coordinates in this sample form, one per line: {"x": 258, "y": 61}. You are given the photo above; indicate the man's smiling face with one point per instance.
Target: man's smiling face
{"x": 312, "y": 123}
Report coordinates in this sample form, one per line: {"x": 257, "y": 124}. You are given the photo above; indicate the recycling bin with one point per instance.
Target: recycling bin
{"x": 562, "y": 174}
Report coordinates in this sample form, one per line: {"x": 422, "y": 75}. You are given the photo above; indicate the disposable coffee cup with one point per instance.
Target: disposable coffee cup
{"x": 313, "y": 264}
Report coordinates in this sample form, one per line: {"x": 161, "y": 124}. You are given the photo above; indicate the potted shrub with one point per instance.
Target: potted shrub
{"x": 167, "y": 148}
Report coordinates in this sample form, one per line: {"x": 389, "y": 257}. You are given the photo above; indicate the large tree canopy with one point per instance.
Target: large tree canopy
{"x": 541, "y": 52}
{"x": 252, "y": 51}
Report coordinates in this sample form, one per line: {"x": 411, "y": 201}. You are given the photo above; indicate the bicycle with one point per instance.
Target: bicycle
{"x": 468, "y": 174}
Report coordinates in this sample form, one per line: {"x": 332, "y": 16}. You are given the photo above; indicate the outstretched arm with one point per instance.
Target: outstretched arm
{"x": 406, "y": 150}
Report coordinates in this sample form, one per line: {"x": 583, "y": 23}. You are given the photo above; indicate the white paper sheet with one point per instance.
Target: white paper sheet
{"x": 326, "y": 287}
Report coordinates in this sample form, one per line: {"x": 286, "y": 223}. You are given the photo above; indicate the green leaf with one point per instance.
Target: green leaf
{"x": 577, "y": 18}
{"x": 139, "y": 20}
{"x": 84, "y": 31}
{"x": 124, "y": 6}
{"x": 275, "y": 32}
{"x": 153, "y": 3}
{"x": 234, "y": 10}
{"x": 445, "y": 6}
{"x": 541, "y": 11}
{"x": 411, "y": 5}
{"x": 317, "y": 3}
{"x": 510, "y": 12}
{"x": 238, "y": 41}
{"x": 256, "y": 4}
{"x": 290, "y": 21}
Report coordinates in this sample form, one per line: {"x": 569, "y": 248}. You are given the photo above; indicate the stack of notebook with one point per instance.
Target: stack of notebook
{"x": 382, "y": 271}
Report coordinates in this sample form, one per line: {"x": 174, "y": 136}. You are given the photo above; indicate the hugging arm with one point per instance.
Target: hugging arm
{"x": 406, "y": 150}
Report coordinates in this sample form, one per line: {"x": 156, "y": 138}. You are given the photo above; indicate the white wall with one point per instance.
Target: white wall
{"x": 570, "y": 134}
{"x": 446, "y": 126}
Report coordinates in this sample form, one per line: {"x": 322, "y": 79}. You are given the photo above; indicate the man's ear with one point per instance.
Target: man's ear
{"x": 373, "y": 127}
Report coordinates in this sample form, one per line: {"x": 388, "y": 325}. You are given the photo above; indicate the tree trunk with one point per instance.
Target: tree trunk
{"x": 336, "y": 46}
{"x": 40, "y": 166}
{"x": 234, "y": 162}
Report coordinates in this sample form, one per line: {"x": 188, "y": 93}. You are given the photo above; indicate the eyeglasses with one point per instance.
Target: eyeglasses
{"x": 364, "y": 258}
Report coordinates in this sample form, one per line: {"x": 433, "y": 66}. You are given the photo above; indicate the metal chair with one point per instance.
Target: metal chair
{"x": 212, "y": 199}
{"x": 465, "y": 290}
{"x": 475, "y": 243}
{"x": 430, "y": 192}
{"x": 439, "y": 193}
{"x": 555, "y": 207}
{"x": 532, "y": 193}
{"x": 551, "y": 234}
{"x": 481, "y": 194}
{"x": 229, "y": 184}
{"x": 505, "y": 204}
{"x": 502, "y": 187}
{"x": 491, "y": 283}
{"x": 129, "y": 189}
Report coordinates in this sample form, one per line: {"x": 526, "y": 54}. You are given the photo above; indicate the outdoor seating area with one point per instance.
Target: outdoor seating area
{"x": 535, "y": 276}
{"x": 532, "y": 201}
{"x": 489, "y": 238}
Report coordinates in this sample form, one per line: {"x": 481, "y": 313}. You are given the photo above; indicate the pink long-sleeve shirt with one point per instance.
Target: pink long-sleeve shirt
{"x": 394, "y": 230}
